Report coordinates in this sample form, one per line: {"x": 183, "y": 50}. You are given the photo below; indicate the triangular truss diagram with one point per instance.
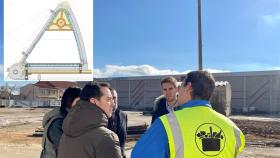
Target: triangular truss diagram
{"x": 61, "y": 19}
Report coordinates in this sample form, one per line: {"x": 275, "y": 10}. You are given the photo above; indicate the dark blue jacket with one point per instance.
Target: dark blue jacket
{"x": 52, "y": 124}
{"x": 55, "y": 132}
{"x": 159, "y": 108}
{"x": 118, "y": 124}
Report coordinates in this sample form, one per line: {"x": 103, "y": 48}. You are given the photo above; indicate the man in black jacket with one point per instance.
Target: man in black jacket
{"x": 118, "y": 122}
{"x": 166, "y": 102}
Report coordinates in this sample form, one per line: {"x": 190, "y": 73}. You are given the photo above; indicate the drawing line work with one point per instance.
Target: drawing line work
{"x": 61, "y": 19}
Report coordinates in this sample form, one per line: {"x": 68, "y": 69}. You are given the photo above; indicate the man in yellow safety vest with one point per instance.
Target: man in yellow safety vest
{"x": 193, "y": 131}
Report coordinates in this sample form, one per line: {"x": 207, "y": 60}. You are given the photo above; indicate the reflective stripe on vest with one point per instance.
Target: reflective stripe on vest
{"x": 192, "y": 120}
{"x": 175, "y": 140}
{"x": 238, "y": 141}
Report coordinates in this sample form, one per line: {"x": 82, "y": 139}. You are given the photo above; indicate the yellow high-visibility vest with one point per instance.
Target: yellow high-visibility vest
{"x": 201, "y": 132}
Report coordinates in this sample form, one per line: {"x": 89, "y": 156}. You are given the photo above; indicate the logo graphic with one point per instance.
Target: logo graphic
{"x": 210, "y": 139}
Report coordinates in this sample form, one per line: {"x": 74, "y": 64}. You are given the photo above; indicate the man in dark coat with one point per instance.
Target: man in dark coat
{"x": 85, "y": 127}
{"x": 118, "y": 122}
{"x": 166, "y": 102}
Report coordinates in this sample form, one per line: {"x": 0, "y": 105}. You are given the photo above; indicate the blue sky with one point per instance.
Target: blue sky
{"x": 144, "y": 37}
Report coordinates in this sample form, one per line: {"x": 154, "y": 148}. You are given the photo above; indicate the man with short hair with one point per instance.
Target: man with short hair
{"x": 118, "y": 122}
{"x": 196, "y": 130}
{"x": 85, "y": 127}
{"x": 166, "y": 102}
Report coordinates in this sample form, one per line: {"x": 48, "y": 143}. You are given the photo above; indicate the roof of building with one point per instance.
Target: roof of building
{"x": 55, "y": 84}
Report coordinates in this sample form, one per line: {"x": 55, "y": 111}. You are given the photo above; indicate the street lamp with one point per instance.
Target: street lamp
{"x": 199, "y": 35}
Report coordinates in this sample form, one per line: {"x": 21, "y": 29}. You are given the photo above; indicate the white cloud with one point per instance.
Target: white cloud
{"x": 275, "y": 68}
{"x": 217, "y": 70}
{"x": 271, "y": 19}
{"x": 138, "y": 70}
{"x": 254, "y": 67}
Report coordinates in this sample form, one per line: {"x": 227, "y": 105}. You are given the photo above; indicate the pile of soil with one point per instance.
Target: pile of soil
{"x": 261, "y": 133}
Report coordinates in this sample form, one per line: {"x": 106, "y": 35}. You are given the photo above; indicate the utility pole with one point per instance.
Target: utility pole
{"x": 199, "y": 35}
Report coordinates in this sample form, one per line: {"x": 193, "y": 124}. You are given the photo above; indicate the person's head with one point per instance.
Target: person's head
{"x": 69, "y": 99}
{"x": 98, "y": 94}
{"x": 196, "y": 85}
{"x": 169, "y": 88}
{"x": 115, "y": 98}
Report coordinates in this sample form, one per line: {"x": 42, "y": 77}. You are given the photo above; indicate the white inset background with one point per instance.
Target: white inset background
{"x": 24, "y": 19}
{"x": 61, "y": 48}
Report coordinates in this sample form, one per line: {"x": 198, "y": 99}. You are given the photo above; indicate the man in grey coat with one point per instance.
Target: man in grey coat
{"x": 85, "y": 127}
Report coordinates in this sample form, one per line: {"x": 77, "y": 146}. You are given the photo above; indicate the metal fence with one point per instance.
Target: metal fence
{"x": 29, "y": 103}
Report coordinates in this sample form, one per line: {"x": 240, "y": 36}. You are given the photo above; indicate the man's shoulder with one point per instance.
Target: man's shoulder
{"x": 104, "y": 134}
{"x": 123, "y": 114}
{"x": 218, "y": 116}
{"x": 120, "y": 113}
{"x": 99, "y": 134}
{"x": 225, "y": 119}
{"x": 102, "y": 130}
{"x": 49, "y": 115}
{"x": 159, "y": 101}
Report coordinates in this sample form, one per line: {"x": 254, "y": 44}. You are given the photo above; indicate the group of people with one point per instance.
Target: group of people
{"x": 90, "y": 124}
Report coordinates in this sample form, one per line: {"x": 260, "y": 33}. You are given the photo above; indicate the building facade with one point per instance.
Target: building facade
{"x": 256, "y": 92}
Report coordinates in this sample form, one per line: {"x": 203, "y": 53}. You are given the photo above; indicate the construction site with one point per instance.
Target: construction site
{"x": 249, "y": 99}
{"x": 57, "y": 55}
{"x": 17, "y": 126}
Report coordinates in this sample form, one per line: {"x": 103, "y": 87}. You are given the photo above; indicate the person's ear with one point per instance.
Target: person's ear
{"x": 189, "y": 86}
{"x": 177, "y": 89}
{"x": 92, "y": 100}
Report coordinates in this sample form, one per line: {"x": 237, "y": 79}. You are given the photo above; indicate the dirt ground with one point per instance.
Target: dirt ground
{"x": 18, "y": 124}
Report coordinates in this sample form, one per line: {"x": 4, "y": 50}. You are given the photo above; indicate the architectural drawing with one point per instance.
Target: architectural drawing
{"x": 61, "y": 20}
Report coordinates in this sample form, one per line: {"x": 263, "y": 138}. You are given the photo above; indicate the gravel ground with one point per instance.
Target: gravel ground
{"x": 18, "y": 124}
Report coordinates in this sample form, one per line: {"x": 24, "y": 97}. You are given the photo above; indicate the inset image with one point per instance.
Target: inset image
{"x": 48, "y": 40}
